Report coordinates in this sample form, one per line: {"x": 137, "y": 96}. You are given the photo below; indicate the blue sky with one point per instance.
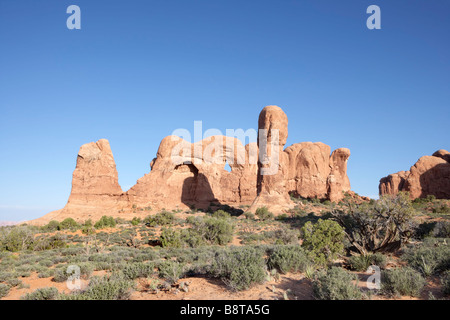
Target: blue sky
{"x": 137, "y": 70}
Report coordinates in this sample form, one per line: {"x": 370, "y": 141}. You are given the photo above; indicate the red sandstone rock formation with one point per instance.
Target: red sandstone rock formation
{"x": 430, "y": 175}
{"x": 185, "y": 174}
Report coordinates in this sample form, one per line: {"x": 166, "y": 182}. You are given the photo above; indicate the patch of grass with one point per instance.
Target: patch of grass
{"x": 430, "y": 257}
{"x": 362, "y": 262}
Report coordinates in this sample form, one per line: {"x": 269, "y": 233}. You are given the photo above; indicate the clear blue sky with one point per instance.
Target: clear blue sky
{"x": 137, "y": 70}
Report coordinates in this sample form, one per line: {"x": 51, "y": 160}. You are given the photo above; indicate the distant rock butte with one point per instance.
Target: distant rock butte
{"x": 430, "y": 175}
{"x": 181, "y": 176}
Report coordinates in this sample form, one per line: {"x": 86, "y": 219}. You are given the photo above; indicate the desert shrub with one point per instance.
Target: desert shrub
{"x": 445, "y": 280}
{"x": 437, "y": 229}
{"x": 286, "y": 235}
{"x": 47, "y": 273}
{"x": 46, "y": 263}
{"x": 48, "y": 293}
{"x": 362, "y": 262}
{"x": 4, "y": 290}
{"x": 442, "y": 209}
{"x": 138, "y": 270}
{"x": 221, "y": 214}
{"x": 323, "y": 240}
{"x": 113, "y": 287}
{"x": 105, "y": 222}
{"x": 88, "y": 230}
{"x": 432, "y": 256}
{"x": 120, "y": 220}
{"x": 68, "y": 223}
{"x": 382, "y": 226}
{"x": 14, "y": 282}
{"x": 290, "y": 258}
{"x": 53, "y": 225}
{"x": 442, "y": 229}
{"x": 263, "y": 213}
{"x": 170, "y": 238}
{"x": 239, "y": 268}
{"x": 8, "y": 275}
{"x": 336, "y": 284}
{"x": 48, "y": 243}
{"x": 135, "y": 221}
{"x": 212, "y": 230}
{"x": 62, "y": 274}
{"x": 88, "y": 223}
{"x": 171, "y": 271}
{"x": 248, "y": 215}
{"x": 16, "y": 238}
{"x": 162, "y": 218}
{"x": 403, "y": 281}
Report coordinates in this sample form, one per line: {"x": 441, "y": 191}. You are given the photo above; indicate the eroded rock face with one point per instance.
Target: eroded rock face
{"x": 185, "y": 174}
{"x": 430, "y": 175}
{"x": 273, "y": 162}
{"x": 95, "y": 174}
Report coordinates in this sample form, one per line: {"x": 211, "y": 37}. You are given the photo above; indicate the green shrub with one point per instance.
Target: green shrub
{"x": 263, "y": 213}
{"x": 47, "y": 273}
{"x": 68, "y": 223}
{"x": 4, "y": 290}
{"x": 113, "y": 287}
{"x": 62, "y": 275}
{"x": 324, "y": 240}
{"x": 171, "y": 271}
{"x": 88, "y": 223}
{"x": 17, "y": 238}
{"x": 47, "y": 243}
{"x": 248, "y": 215}
{"x": 48, "y": 293}
{"x": 14, "y": 282}
{"x": 138, "y": 270}
{"x": 88, "y": 230}
{"x": 403, "y": 281}
{"x": 336, "y": 284}
{"x": 289, "y": 258}
{"x": 221, "y": 214}
{"x": 239, "y": 268}
{"x": 162, "y": 218}
{"x": 212, "y": 230}
{"x": 105, "y": 222}
{"x": 170, "y": 238}
{"x": 53, "y": 225}
{"x": 135, "y": 221}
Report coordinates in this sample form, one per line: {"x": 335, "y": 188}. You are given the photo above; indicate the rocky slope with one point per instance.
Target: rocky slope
{"x": 430, "y": 175}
